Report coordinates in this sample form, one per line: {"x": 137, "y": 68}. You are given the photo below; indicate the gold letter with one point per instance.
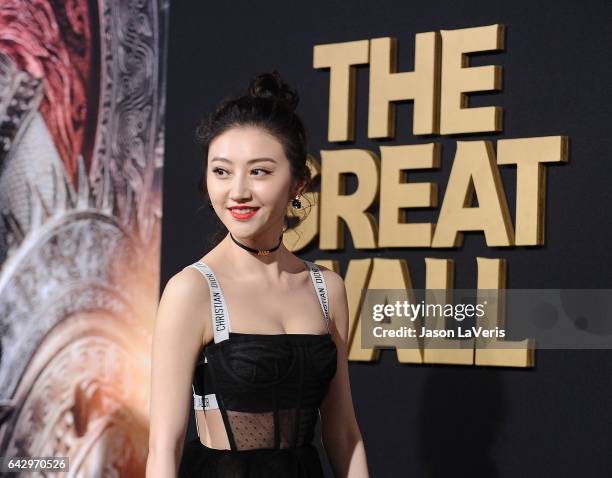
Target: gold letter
{"x": 439, "y": 284}
{"x": 528, "y": 154}
{"x": 458, "y": 79}
{"x": 356, "y": 279}
{"x": 491, "y": 351}
{"x": 394, "y": 231}
{"x": 474, "y": 171}
{"x": 340, "y": 58}
{"x": 336, "y": 205}
{"x": 420, "y": 85}
{"x": 394, "y": 274}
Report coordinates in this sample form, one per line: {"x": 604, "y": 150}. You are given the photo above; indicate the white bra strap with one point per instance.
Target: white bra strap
{"x": 219, "y": 312}
{"x": 320, "y": 287}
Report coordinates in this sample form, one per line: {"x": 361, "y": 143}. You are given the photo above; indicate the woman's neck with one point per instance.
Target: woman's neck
{"x": 247, "y": 264}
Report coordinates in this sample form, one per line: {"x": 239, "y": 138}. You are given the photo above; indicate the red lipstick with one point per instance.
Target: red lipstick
{"x": 243, "y": 212}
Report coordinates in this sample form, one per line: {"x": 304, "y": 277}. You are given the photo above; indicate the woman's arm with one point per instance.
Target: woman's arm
{"x": 182, "y": 321}
{"x": 339, "y": 429}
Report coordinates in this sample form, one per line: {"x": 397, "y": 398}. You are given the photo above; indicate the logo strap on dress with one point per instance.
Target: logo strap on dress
{"x": 321, "y": 288}
{"x": 221, "y": 328}
{"x": 219, "y": 312}
{"x": 208, "y": 402}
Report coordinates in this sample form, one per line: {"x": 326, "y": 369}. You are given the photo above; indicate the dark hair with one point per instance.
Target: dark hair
{"x": 270, "y": 104}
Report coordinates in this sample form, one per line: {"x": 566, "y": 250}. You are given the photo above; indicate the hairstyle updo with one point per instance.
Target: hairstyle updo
{"x": 270, "y": 104}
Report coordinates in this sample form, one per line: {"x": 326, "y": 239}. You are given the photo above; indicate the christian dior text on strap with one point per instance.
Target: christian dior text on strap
{"x": 221, "y": 319}
{"x": 221, "y": 328}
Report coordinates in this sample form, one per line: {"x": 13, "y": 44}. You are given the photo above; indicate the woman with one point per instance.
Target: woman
{"x": 261, "y": 377}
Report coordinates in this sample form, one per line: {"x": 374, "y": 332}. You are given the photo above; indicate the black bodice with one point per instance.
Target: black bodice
{"x": 268, "y": 387}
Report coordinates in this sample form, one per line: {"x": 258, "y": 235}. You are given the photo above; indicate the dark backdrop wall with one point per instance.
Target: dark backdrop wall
{"x": 433, "y": 420}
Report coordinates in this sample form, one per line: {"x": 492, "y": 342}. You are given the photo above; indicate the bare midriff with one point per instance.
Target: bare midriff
{"x": 211, "y": 429}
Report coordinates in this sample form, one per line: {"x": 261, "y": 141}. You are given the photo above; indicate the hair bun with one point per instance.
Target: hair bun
{"x": 271, "y": 85}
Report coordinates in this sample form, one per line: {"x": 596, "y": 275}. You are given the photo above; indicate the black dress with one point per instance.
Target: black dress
{"x": 268, "y": 389}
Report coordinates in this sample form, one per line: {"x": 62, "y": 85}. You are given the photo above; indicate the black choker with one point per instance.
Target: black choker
{"x": 259, "y": 252}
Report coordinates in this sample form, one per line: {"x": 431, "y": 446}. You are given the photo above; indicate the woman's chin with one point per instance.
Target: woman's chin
{"x": 243, "y": 229}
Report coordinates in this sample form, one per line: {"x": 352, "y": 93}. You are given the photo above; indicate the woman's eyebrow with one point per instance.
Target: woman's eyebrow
{"x": 254, "y": 160}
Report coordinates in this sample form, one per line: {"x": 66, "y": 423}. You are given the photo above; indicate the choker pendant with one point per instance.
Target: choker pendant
{"x": 259, "y": 252}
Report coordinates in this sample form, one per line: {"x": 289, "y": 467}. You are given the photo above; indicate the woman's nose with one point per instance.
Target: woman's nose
{"x": 240, "y": 188}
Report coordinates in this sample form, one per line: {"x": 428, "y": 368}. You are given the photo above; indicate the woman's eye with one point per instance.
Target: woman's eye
{"x": 265, "y": 171}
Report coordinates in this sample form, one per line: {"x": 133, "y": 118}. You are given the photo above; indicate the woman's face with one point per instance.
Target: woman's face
{"x": 247, "y": 167}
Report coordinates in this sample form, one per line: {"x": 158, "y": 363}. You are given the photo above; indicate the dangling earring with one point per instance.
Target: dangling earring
{"x": 296, "y": 203}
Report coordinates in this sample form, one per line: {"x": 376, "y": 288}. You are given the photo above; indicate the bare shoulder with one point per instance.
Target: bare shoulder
{"x": 186, "y": 300}
{"x": 188, "y": 284}
{"x": 333, "y": 280}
